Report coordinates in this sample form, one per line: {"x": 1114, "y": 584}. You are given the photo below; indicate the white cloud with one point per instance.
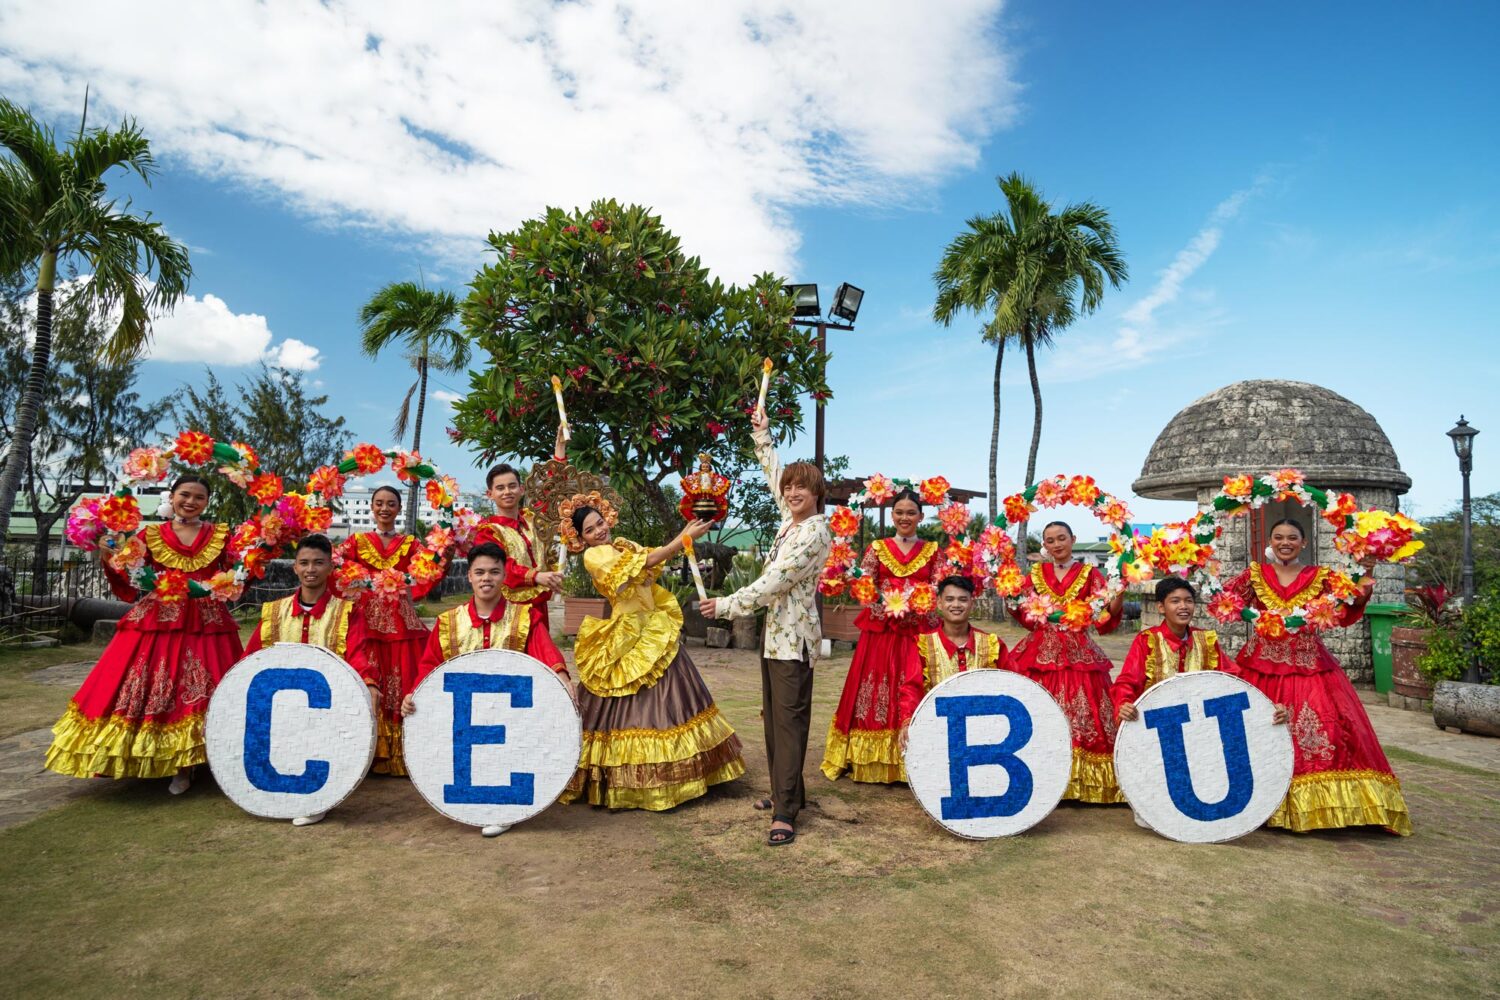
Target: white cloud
{"x": 207, "y": 330}
{"x": 445, "y": 396}
{"x": 447, "y": 121}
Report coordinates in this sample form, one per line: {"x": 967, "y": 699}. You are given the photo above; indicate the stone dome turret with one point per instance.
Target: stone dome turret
{"x": 1266, "y": 424}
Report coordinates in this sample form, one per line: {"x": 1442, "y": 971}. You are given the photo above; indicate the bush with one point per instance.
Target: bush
{"x": 1474, "y": 634}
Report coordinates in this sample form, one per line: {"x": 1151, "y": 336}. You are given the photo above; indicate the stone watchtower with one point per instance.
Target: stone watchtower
{"x": 1260, "y": 426}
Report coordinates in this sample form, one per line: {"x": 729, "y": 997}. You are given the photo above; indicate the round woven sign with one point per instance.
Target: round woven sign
{"x": 988, "y": 754}
{"x": 1204, "y": 763}
{"x": 494, "y": 739}
{"x": 290, "y": 731}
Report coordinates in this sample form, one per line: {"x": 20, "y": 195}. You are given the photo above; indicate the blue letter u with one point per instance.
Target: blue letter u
{"x": 959, "y": 804}
{"x": 466, "y": 736}
{"x": 1168, "y": 721}
{"x": 257, "y": 753}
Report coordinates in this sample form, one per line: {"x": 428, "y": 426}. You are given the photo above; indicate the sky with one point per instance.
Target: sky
{"x": 1303, "y": 191}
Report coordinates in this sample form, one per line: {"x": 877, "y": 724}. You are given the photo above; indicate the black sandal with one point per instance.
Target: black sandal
{"x": 780, "y": 838}
{"x": 762, "y": 804}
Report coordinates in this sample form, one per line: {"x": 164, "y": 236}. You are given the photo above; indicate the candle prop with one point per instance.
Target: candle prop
{"x": 765, "y": 384}
{"x": 562, "y": 411}
{"x": 692, "y": 561}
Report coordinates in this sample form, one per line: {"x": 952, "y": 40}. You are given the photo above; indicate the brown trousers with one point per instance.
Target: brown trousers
{"x": 786, "y": 709}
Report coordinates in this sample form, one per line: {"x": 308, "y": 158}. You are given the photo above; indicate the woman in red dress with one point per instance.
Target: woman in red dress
{"x": 1341, "y": 776}
{"x": 1071, "y": 665}
{"x": 864, "y": 734}
{"x": 394, "y": 634}
{"x": 139, "y": 714}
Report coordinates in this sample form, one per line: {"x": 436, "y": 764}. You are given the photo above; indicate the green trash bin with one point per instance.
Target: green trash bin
{"x": 1383, "y": 618}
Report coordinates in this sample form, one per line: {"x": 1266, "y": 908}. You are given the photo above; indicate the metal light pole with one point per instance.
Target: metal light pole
{"x": 806, "y": 312}
{"x": 1463, "y": 445}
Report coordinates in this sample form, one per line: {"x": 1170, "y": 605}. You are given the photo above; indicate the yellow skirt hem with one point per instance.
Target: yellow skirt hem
{"x": 1329, "y": 800}
{"x": 116, "y": 747}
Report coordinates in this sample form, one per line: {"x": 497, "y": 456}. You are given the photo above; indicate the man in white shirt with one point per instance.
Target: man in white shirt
{"x": 787, "y": 589}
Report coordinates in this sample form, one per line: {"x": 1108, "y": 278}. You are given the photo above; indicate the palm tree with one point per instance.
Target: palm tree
{"x": 55, "y": 210}
{"x": 420, "y": 319}
{"x": 1037, "y": 270}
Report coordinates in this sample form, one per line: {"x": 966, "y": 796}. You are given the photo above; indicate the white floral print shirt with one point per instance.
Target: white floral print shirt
{"x": 787, "y": 588}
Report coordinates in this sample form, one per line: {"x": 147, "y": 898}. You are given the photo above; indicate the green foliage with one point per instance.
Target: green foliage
{"x": 745, "y": 571}
{"x": 659, "y": 361}
{"x": 1476, "y": 636}
{"x": 576, "y": 581}
{"x": 1441, "y": 560}
{"x": 272, "y": 412}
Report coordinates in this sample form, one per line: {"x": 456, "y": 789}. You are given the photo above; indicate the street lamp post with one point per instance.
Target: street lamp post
{"x": 1463, "y": 445}
{"x": 807, "y": 312}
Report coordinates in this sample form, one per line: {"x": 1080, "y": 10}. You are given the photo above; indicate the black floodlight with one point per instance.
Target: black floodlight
{"x": 846, "y": 302}
{"x": 804, "y": 300}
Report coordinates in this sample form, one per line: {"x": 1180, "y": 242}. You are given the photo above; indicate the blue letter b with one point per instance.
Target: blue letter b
{"x": 257, "y": 752}
{"x": 959, "y": 804}
{"x": 1168, "y": 721}
{"x": 466, "y": 736}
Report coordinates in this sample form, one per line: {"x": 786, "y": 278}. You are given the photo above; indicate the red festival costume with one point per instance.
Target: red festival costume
{"x": 878, "y": 697}
{"x": 525, "y": 555}
{"x": 1341, "y": 776}
{"x": 1075, "y": 670}
{"x": 1157, "y": 653}
{"x": 139, "y": 714}
{"x": 331, "y": 622}
{"x": 394, "y": 637}
{"x": 940, "y": 658}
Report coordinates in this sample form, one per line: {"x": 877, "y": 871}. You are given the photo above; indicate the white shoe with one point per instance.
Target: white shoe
{"x": 309, "y": 819}
{"x": 181, "y": 782}
{"x": 493, "y": 831}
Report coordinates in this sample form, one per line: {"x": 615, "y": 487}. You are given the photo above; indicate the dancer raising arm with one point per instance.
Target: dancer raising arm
{"x": 139, "y": 714}
{"x": 787, "y": 589}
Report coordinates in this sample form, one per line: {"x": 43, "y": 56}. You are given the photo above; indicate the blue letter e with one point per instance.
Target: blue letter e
{"x": 1168, "y": 721}
{"x": 959, "y": 804}
{"x": 257, "y": 754}
{"x": 466, "y": 736}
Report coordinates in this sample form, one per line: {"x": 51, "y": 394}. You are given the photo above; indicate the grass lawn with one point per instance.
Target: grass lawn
{"x": 128, "y": 892}
{"x": 25, "y": 704}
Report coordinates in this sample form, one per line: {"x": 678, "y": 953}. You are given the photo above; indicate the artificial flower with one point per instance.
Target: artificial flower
{"x": 1050, "y": 493}
{"x": 388, "y": 583}
{"x": 439, "y": 538}
{"x": 148, "y": 465}
{"x": 831, "y": 586}
{"x": 224, "y": 586}
{"x": 193, "y": 447}
{"x": 1339, "y": 509}
{"x": 326, "y": 481}
{"x": 1083, "y": 491}
{"x": 1225, "y": 606}
{"x": 367, "y": 458}
{"x": 128, "y": 556}
{"x": 1010, "y": 581}
{"x": 120, "y": 513}
{"x": 1239, "y": 487}
{"x": 1076, "y": 616}
{"x": 896, "y": 601}
{"x": 405, "y": 463}
{"x": 879, "y": 489}
{"x": 840, "y": 553}
{"x": 954, "y": 518}
{"x": 1270, "y": 625}
{"x": 863, "y": 590}
{"x": 933, "y": 490}
{"x": 442, "y": 491}
{"x": 1017, "y": 509}
{"x": 843, "y": 522}
{"x": 1113, "y": 513}
{"x": 83, "y": 526}
{"x": 171, "y": 585}
{"x": 923, "y": 598}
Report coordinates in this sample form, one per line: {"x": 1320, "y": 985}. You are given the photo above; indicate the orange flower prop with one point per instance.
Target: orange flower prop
{"x": 1324, "y": 613}
{"x": 194, "y": 447}
{"x": 439, "y": 538}
{"x": 896, "y": 601}
{"x": 840, "y": 554}
{"x": 843, "y": 522}
{"x": 1083, "y": 491}
{"x": 148, "y": 465}
{"x": 831, "y": 585}
{"x": 1114, "y": 513}
{"x": 1239, "y": 487}
{"x": 388, "y": 583}
{"x": 128, "y": 556}
{"x": 934, "y": 490}
{"x": 255, "y": 562}
{"x": 1076, "y": 616}
{"x": 1017, "y": 509}
{"x": 319, "y": 519}
{"x": 350, "y": 576}
{"x": 1049, "y": 493}
{"x": 367, "y": 458}
{"x": 405, "y": 464}
{"x": 923, "y": 598}
{"x": 120, "y": 513}
{"x": 1341, "y": 586}
{"x": 1287, "y": 481}
{"x": 223, "y": 586}
{"x": 442, "y": 492}
{"x": 954, "y": 518}
{"x": 1270, "y": 625}
{"x": 1339, "y": 508}
{"x": 879, "y": 489}
{"x": 172, "y": 585}
{"x": 863, "y": 590}
{"x": 327, "y": 482}
{"x": 1010, "y": 581}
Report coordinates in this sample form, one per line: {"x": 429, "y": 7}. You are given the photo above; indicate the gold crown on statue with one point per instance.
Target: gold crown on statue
{"x": 565, "y": 510}
{"x": 705, "y": 493}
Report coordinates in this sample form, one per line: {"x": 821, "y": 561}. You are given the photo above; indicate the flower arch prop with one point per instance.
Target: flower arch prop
{"x": 454, "y": 528}
{"x": 1384, "y": 536}
{"x": 842, "y": 572}
{"x": 284, "y": 516}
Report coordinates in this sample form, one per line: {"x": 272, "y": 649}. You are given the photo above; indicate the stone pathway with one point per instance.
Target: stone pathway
{"x": 1415, "y": 731}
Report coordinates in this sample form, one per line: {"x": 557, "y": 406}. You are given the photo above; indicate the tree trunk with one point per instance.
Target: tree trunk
{"x": 40, "y": 581}
{"x": 1036, "y": 423}
{"x": 666, "y": 514}
{"x": 416, "y": 441}
{"x": 31, "y": 398}
{"x": 995, "y": 435}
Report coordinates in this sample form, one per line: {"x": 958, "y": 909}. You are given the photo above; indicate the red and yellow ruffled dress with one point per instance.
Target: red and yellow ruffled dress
{"x": 1341, "y": 776}
{"x": 865, "y": 730}
{"x": 652, "y": 736}
{"x": 1071, "y": 666}
{"x": 394, "y": 638}
{"x": 1157, "y": 653}
{"x": 139, "y": 714}
{"x": 525, "y": 555}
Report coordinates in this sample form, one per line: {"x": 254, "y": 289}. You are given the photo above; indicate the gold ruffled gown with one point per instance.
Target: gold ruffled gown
{"x": 652, "y": 736}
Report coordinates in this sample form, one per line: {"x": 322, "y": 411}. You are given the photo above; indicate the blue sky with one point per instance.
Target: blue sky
{"x": 1302, "y": 191}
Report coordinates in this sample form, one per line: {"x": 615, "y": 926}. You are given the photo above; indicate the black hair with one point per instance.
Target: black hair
{"x": 319, "y": 542}
{"x": 907, "y": 494}
{"x": 500, "y": 470}
{"x": 377, "y": 491}
{"x": 190, "y": 477}
{"x": 489, "y": 549}
{"x": 1059, "y": 524}
{"x": 961, "y": 582}
{"x": 580, "y": 515}
{"x": 1301, "y": 531}
{"x": 1172, "y": 584}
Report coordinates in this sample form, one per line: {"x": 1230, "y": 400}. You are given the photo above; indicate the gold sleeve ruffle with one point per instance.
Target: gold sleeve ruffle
{"x": 118, "y": 748}
{"x": 618, "y": 569}
{"x": 619, "y": 655}
{"x": 1325, "y": 800}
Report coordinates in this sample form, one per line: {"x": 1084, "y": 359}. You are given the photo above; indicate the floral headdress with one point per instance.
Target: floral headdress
{"x": 565, "y": 510}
